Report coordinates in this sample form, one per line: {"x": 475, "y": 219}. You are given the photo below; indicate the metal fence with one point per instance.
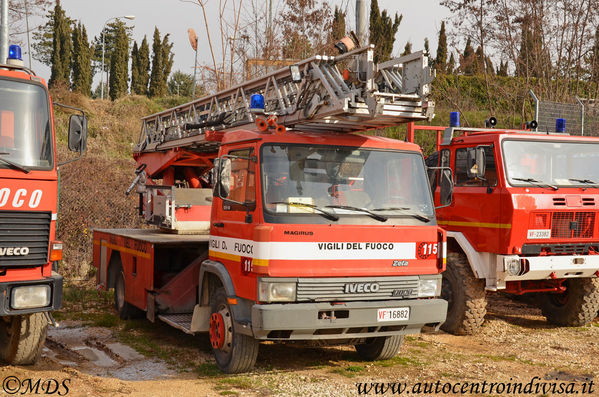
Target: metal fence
{"x": 582, "y": 116}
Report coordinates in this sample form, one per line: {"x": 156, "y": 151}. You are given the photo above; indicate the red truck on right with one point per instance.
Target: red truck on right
{"x": 522, "y": 220}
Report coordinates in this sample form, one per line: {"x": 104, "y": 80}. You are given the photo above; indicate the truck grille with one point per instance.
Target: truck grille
{"x": 572, "y": 224}
{"x": 334, "y": 289}
{"x": 24, "y": 229}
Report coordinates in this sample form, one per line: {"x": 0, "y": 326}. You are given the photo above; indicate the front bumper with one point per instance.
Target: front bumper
{"x": 551, "y": 266}
{"x": 354, "y": 320}
{"x": 55, "y": 283}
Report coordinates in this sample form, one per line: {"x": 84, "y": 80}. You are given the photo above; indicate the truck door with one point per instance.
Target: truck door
{"x": 232, "y": 230}
{"x": 475, "y": 209}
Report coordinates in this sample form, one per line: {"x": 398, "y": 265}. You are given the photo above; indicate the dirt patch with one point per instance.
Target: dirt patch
{"x": 132, "y": 358}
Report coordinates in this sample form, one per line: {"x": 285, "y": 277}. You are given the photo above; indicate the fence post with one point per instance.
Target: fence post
{"x": 581, "y": 115}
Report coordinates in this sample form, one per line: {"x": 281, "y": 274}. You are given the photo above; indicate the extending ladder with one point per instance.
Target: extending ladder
{"x": 344, "y": 93}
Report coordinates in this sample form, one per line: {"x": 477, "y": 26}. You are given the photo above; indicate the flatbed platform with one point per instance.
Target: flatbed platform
{"x": 156, "y": 236}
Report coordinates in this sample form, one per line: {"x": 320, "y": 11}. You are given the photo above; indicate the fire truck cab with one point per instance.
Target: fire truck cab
{"x": 522, "y": 221}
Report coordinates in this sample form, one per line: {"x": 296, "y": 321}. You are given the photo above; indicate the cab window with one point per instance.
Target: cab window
{"x": 462, "y": 165}
{"x": 243, "y": 179}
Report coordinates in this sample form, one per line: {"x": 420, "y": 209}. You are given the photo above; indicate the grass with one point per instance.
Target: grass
{"x": 350, "y": 371}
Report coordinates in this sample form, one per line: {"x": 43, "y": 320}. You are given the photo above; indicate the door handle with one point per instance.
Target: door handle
{"x": 218, "y": 224}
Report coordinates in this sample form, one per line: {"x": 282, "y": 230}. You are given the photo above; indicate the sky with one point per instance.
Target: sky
{"x": 421, "y": 18}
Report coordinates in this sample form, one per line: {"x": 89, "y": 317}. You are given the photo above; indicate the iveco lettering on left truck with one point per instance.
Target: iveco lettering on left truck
{"x": 29, "y": 287}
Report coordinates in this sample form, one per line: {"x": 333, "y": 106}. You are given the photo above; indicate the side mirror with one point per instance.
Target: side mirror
{"x": 223, "y": 177}
{"x": 476, "y": 163}
{"x": 77, "y": 133}
{"x": 446, "y": 185}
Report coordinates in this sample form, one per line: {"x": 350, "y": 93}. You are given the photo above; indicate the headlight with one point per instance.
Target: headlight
{"x": 429, "y": 288}
{"x": 512, "y": 266}
{"x": 276, "y": 291}
{"x": 30, "y": 296}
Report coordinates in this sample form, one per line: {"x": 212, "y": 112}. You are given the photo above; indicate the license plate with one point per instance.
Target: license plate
{"x": 394, "y": 314}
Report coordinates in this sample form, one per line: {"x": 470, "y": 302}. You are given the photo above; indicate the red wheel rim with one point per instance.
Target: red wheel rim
{"x": 217, "y": 331}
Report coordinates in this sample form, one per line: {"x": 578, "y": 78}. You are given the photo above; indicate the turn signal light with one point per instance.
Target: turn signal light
{"x": 56, "y": 251}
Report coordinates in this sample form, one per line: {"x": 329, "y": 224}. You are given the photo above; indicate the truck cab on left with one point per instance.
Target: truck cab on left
{"x": 29, "y": 288}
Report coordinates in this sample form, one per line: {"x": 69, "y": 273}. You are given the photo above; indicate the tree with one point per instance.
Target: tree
{"x": 382, "y": 32}
{"x": 181, "y": 84}
{"x": 427, "y": 51}
{"x": 467, "y": 59}
{"x": 338, "y": 28}
{"x": 407, "y": 49}
{"x": 162, "y": 62}
{"x": 451, "y": 64}
{"x": 119, "y": 64}
{"x": 43, "y": 38}
{"x": 441, "y": 59}
{"x": 140, "y": 68}
{"x": 61, "y": 48}
{"x": 110, "y": 32}
{"x": 306, "y": 27}
{"x": 594, "y": 58}
{"x": 502, "y": 69}
{"x": 81, "y": 62}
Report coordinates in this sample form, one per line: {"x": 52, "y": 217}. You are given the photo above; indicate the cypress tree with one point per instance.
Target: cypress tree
{"x": 467, "y": 60}
{"x": 441, "y": 59}
{"x": 162, "y": 62}
{"x": 143, "y": 66}
{"x": 81, "y": 62}
{"x": 451, "y": 64}
{"x": 119, "y": 65}
{"x": 382, "y": 31}
{"x": 338, "y": 26}
{"x": 61, "y": 48}
{"x": 595, "y": 58}
{"x": 407, "y": 49}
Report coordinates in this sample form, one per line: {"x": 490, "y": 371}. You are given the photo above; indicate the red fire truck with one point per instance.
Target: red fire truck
{"x": 522, "y": 221}
{"x": 278, "y": 224}
{"x": 29, "y": 287}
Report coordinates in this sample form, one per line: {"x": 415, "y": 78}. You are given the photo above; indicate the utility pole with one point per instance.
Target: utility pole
{"x": 361, "y": 21}
{"x": 3, "y": 31}
{"x": 28, "y": 40}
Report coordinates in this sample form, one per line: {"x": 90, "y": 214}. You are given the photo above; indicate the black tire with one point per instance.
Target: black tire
{"x": 239, "y": 352}
{"x": 381, "y": 348}
{"x": 465, "y": 295}
{"x": 574, "y": 308}
{"x": 124, "y": 309}
{"x": 22, "y": 338}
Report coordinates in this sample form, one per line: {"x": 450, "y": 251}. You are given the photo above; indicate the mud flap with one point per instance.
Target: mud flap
{"x": 200, "y": 321}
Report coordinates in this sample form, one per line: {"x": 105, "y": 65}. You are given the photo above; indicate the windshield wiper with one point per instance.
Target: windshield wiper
{"x": 585, "y": 181}
{"x": 13, "y": 164}
{"x": 535, "y": 182}
{"x": 379, "y": 218}
{"x": 319, "y": 210}
{"x": 404, "y": 211}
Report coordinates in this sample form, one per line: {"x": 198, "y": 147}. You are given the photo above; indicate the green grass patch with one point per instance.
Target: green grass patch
{"x": 208, "y": 370}
{"x": 350, "y": 371}
{"x": 239, "y": 382}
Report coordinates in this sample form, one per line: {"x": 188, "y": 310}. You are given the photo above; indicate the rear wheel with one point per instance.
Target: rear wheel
{"x": 465, "y": 295}
{"x": 123, "y": 308}
{"x": 381, "y": 348}
{"x": 234, "y": 353}
{"x": 575, "y": 307}
{"x": 22, "y": 338}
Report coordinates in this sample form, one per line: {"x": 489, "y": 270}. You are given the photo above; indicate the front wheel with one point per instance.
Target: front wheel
{"x": 575, "y": 307}
{"x": 381, "y": 348}
{"x": 465, "y": 296}
{"x": 233, "y": 352}
{"x": 22, "y": 338}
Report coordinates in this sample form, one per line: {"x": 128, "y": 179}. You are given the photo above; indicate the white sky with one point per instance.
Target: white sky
{"x": 421, "y": 18}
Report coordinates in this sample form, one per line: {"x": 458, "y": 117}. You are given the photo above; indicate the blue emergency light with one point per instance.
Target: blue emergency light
{"x": 454, "y": 119}
{"x": 560, "y": 125}
{"x": 257, "y": 102}
{"x": 14, "y": 52}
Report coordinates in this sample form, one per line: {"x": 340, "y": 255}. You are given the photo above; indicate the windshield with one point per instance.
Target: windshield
{"x": 25, "y": 138}
{"x": 530, "y": 163}
{"x": 344, "y": 181}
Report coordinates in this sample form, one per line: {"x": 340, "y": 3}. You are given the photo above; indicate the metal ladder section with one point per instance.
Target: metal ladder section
{"x": 179, "y": 321}
{"x": 344, "y": 93}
